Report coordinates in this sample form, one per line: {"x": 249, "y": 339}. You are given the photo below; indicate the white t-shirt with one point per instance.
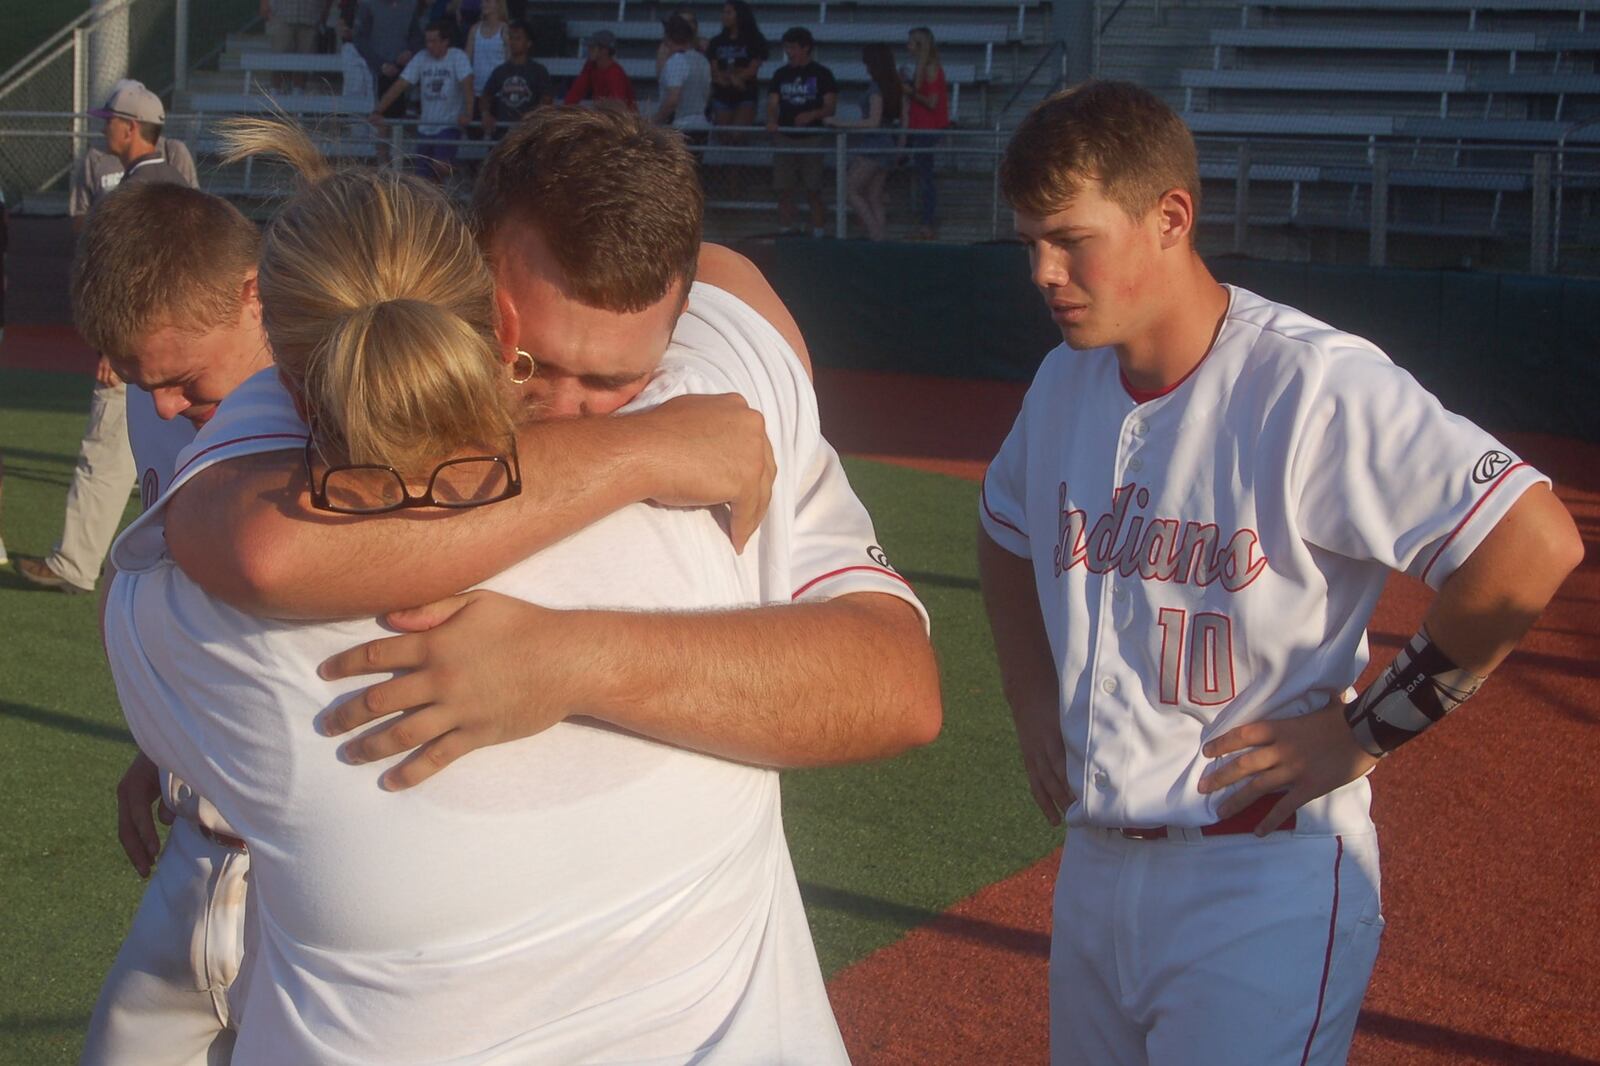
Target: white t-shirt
{"x": 358, "y": 91}
{"x": 439, "y": 83}
{"x": 1210, "y": 556}
{"x": 691, "y": 72}
{"x": 580, "y": 896}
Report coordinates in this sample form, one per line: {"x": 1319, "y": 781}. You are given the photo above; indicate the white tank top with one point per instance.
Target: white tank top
{"x": 487, "y": 53}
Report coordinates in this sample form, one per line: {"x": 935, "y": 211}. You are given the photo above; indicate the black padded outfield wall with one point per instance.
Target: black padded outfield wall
{"x": 1511, "y": 352}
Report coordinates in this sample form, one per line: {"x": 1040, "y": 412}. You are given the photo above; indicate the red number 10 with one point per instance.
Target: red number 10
{"x": 1210, "y": 656}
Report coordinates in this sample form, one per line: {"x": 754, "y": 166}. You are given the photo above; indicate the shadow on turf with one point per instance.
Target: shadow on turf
{"x": 943, "y": 581}
{"x": 65, "y": 722}
{"x": 34, "y": 391}
{"x": 1438, "y": 1038}
{"x": 991, "y": 934}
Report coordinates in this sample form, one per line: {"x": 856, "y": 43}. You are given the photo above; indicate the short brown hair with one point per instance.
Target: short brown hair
{"x": 1111, "y": 131}
{"x": 616, "y": 198}
{"x": 156, "y": 254}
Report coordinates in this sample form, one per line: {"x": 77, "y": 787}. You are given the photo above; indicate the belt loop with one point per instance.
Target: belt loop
{"x": 1189, "y": 836}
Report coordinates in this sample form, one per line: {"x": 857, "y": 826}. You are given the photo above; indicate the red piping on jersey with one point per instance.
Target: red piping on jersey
{"x": 301, "y": 437}
{"x": 1146, "y": 395}
{"x": 845, "y": 570}
{"x": 983, "y": 494}
{"x": 1327, "y": 958}
{"x": 1463, "y": 523}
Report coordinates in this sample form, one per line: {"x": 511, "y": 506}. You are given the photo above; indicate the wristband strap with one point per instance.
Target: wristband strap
{"x": 1420, "y": 687}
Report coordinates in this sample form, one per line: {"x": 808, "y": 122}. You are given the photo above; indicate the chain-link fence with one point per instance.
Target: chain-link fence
{"x": 154, "y": 41}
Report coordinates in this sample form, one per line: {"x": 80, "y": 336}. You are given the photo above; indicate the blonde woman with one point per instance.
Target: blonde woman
{"x": 486, "y": 41}
{"x": 581, "y": 895}
{"x": 927, "y": 118}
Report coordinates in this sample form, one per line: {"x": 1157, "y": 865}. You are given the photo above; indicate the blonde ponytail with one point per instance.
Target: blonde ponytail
{"x": 282, "y": 137}
{"x": 380, "y": 309}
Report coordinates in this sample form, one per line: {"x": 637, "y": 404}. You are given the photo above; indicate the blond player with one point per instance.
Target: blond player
{"x": 1182, "y": 540}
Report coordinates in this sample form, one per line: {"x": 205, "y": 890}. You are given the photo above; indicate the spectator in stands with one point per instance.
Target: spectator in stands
{"x": 99, "y": 171}
{"x": 927, "y": 118}
{"x": 883, "y": 108}
{"x": 665, "y": 50}
{"x": 444, "y": 76}
{"x": 736, "y": 56}
{"x": 516, "y": 86}
{"x": 486, "y": 42}
{"x": 105, "y": 471}
{"x": 802, "y": 97}
{"x": 602, "y": 77}
{"x": 685, "y": 83}
{"x": 387, "y": 35}
{"x": 292, "y": 27}
{"x": 358, "y": 94}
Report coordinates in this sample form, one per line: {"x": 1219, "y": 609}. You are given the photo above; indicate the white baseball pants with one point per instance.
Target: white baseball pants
{"x": 165, "y": 1001}
{"x": 99, "y": 491}
{"x": 1228, "y": 949}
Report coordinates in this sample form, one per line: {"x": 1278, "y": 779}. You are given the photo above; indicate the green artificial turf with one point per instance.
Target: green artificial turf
{"x": 879, "y": 849}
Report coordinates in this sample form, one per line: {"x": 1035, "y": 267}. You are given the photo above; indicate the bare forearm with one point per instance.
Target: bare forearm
{"x": 848, "y": 680}
{"x": 246, "y": 532}
{"x": 1022, "y": 645}
{"x": 1486, "y": 606}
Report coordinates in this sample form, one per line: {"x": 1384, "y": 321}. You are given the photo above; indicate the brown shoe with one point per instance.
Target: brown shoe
{"x": 38, "y": 572}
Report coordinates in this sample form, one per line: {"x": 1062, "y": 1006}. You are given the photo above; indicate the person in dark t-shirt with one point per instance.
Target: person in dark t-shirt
{"x": 736, "y": 56}
{"x": 516, "y": 86}
{"x": 802, "y": 95}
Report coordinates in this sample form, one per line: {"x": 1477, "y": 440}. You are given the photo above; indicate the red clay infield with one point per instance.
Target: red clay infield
{"x": 1491, "y": 883}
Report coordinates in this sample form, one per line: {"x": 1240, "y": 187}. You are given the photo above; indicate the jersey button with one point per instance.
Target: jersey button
{"x": 1140, "y": 428}
{"x": 1102, "y": 781}
{"x": 1119, "y": 594}
{"x": 1109, "y": 685}
{"x": 1136, "y": 464}
{"x": 184, "y": 793}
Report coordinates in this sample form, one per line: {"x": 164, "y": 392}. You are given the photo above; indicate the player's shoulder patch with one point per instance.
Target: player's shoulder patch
{"x": 1490, "y": 465}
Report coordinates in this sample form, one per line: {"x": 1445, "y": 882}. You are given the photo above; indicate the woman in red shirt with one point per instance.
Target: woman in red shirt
{"x": 928, "y": 117}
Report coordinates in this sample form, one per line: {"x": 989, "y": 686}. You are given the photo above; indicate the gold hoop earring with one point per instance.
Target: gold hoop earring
{"x": 518, "y": 375}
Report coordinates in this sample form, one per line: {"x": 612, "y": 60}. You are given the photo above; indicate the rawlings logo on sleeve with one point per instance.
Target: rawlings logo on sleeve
{"x": 1491, "y": 464}
{"x": 1155, "y": 548}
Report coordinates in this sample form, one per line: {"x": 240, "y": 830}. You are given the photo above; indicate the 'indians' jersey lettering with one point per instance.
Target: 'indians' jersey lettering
{"x": 1155, "y": 548}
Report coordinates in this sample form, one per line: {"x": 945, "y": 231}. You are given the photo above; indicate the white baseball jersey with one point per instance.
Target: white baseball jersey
{"x": 583, "y": 895}
{"x": 166, "y": 999}
{"x": 1210, "y": 556}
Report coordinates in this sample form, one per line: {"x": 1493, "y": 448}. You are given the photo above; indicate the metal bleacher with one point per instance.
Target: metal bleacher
{"x": 1447, "y": 103}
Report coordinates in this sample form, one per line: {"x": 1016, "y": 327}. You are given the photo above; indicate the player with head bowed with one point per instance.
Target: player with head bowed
{"x": 668, "y": 934}
{"x": 165, "y": 283}
{"x": 1183, "y": 538}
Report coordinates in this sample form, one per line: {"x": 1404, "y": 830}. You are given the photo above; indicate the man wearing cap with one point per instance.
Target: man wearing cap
{"x": 134, "y": 118}
{"x": 602, "y": 77}
{"x": 105, "y": 471}
{"x": 99, "y": 171}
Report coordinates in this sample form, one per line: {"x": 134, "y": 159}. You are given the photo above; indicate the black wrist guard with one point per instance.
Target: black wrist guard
{"x": 1420, "y": 687}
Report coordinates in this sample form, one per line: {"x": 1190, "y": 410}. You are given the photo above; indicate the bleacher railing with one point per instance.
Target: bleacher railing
{"x": 1524, "y": 208}
{"x": 155, "y": 41}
